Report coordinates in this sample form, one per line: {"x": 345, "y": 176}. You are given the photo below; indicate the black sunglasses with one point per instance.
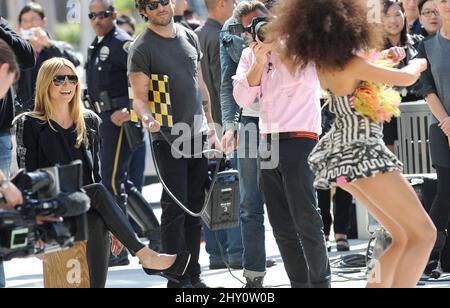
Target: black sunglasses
{"x": 101, "y": 15}
{"x": 59, "y": 80}
{"x": 153, "y": 5}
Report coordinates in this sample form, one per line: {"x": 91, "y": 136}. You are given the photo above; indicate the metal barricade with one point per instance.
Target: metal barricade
{"x": 413, "y": 149}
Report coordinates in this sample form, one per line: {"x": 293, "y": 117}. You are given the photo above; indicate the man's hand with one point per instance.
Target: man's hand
{"x": 445, "y": 126}
{"x": 120, "y": 116}
{"x": 13, "y": 196}
{"x": 229, "y": 142}
{"x": 214, "y": 144}
{"x": 151, "y": 124}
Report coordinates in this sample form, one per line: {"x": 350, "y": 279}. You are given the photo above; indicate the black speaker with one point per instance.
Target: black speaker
{"x": 222, "y": 211}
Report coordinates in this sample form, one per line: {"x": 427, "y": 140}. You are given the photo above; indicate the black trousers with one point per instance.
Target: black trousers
{"x": 292, "y": 208}
{"x": 342, "y": 206}
{"x": 105, "y": 215}
{"x": 440, "y": 210}
{"x": 186, "y": 178}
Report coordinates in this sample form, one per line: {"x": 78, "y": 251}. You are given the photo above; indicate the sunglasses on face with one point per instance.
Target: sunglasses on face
{"x": 101, "y": 15}
{"x": 59, "y": 80}
{"x": 153, "y": 5}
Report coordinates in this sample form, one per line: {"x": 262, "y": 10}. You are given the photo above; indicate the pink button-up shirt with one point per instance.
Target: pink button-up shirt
{"x": 287, "y": 103}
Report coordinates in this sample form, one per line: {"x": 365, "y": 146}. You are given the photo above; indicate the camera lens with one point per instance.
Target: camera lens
{"x": 261, "y": 31}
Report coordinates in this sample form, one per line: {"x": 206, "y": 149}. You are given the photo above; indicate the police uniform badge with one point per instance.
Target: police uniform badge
{"x": 104, "y": 53}
{"x": 126, "y": 46}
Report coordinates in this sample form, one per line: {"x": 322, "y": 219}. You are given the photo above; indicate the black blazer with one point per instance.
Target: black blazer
{"x": 40, "y": 146}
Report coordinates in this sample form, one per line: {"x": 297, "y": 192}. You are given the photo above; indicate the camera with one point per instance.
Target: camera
{"x": 46, "y": 192}
{"x": 258, "y": 29}
{"x": 28, "y": 34}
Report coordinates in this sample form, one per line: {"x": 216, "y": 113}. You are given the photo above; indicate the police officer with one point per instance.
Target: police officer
{"x": 107, "y": 94}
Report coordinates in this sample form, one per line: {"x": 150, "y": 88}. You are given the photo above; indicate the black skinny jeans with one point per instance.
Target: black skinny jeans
{"x": 105, "y": 215}
{"x": 292, "y": 210}
{"x": 342, "y": 206}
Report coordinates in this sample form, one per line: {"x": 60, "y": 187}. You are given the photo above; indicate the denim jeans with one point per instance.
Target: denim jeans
{"x": 252, "y": 205}
{"x": 5, "y": 165}
{"x": 230, "y": 240}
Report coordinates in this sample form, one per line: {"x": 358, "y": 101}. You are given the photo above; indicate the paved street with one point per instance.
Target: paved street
{"x": 28, "y": 272}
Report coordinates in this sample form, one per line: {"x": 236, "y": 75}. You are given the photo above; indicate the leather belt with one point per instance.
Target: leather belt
{"x": 292, "y": 135}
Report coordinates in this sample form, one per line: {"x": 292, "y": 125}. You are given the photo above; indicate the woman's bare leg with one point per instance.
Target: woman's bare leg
{"x": 383, "y": 276}
{"x": 393, "y": 195}
{"x": 153, "y": 260}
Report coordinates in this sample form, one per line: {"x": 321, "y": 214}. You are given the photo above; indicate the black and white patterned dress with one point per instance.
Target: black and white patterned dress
{"x": 351, "y": 150}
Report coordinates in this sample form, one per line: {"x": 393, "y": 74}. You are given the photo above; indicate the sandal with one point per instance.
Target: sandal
{"x": 342, "y": 245}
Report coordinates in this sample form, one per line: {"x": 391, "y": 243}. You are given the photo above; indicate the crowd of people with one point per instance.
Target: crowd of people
{"x": 280, "y": 100}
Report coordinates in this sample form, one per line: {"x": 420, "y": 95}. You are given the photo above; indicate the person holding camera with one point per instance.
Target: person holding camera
{"x": 12, "y": 46}
{"x": 9, "y": 71}
{"x": 289, "y": 114}
{"x": 32, "y": 27}
{"x": 58, "y": 132}
{"x": 24, "y": 53}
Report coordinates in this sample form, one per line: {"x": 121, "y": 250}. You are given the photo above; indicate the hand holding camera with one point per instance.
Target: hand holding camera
{"x": 258, "y": 29}
{"x": 37, "y": 37}
{"x": 48, "y": 195}
{"x": 10, "y": 193}
{"x": 261, "y": 52}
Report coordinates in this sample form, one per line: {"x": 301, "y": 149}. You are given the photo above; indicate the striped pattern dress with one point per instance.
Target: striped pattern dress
{"x": 351, "y": 150}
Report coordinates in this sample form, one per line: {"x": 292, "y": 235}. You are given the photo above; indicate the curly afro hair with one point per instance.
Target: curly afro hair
{"x": 328, "y": 33}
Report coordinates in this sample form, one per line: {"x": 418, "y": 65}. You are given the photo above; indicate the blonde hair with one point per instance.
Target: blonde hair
{"x": 44, "y": 108}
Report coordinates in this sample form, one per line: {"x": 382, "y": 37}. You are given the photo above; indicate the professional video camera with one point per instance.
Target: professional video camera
{"x": 46, "y": 192}
{"x": 258, "y": 29}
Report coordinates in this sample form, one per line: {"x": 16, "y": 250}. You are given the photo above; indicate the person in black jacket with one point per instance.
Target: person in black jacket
{"x": 32, "y": 24}
{"x": 9, "y": 71}
{"x": 25, "y": 57}
{"x": 59, "y": 132}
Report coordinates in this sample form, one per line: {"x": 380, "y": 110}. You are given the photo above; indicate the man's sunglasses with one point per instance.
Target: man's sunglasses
{"x": 59, "y": 80}
{"x": 153, "y": 5}
{"x": 101, "y": 15}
